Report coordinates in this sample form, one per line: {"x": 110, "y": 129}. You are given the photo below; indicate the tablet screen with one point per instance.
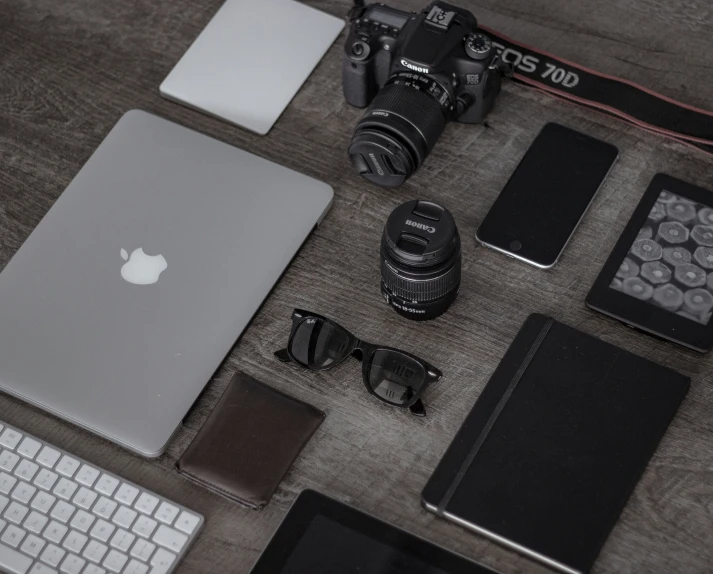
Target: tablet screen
{"x": 670, "y": 264}
{"x": 328, "y": 546}
{"x": 324, "y": 536}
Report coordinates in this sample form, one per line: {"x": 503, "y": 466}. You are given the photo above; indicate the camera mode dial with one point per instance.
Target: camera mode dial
{"x": 478, "y": 46}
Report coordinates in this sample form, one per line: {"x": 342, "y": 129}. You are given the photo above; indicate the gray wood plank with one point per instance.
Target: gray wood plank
{"x": 70, "y": 69}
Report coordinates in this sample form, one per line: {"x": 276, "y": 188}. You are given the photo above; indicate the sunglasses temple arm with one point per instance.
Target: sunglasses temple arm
{"x": 417, "y": 409}
{"x": 283, "y": 355}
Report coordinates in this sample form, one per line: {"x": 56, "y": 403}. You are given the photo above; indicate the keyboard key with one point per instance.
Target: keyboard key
{"x": 65, "y": 488}
{"x": 9, "y": 438}
{"x": 169, "y": 538}
{"x": 45, "y": 479}
{"x": 144, "y": 526}
{"x": 29, "y": 447}
{"x": 114, "y": 561}
{"x": 26, "y": 470}
{"x": 23, "y": 493}
{"x": 146, "y": 503}
{"x": 67, "y": 466}
{"x": 122, "y": 540}
{"x": 85, "y": 498}
{"x": 107, "y": 485}
{"x": 7, "y": 483}
{"x": 95, "y": 551}
{"x": 124, "y": 517}
{"x": 75, "y": 541}
{"x": 48, "y": 457}
{"x": 16, "y": 513}
{"x": 135, "y": 567}
{"x": 52, "y": 555}
{"x": 72, "y": 564}
{"x": 162, "y": 560}
{"x": 143, "y": 549}
{"x": 55, "y": 532}
{"x": 4, "y": 501}
{"x": 102, "y": 530}
{"x": 62, "y": 511}
{"x": 166, "y": 513}
{"x": 40, "y": 568}
{"x": 43, "y": 501}
{"x": 127, "y": 494}
{"x": 13, "y": 536}
{"x": 12, "y": 561}
{"x": 104, "y": 507}
{"x": 94, "y": 569}
{"x": 35, "y": 522}
{"x": 8, "y": 460}
{"x": 82, "y": 521}
{"x": 87, "y": 475}
{"x": 33, "y": 545}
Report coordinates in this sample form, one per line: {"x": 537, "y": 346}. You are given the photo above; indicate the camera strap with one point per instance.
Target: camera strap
{"x": 607, "y": 94}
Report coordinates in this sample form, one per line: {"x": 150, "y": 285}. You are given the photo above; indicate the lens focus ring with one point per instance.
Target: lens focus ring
{"x": 417, "y": 107}
{"x": 423, "y": 290}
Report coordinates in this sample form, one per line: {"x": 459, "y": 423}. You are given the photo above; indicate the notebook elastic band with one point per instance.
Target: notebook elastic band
{"x": 494, "y": 416}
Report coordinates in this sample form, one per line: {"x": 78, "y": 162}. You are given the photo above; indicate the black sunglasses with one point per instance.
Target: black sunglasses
{"x": 393, "y": 376}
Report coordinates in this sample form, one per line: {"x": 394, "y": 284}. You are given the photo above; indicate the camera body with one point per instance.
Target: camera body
{"x": 436, "y": 66}
{"x": 384, "y": 42}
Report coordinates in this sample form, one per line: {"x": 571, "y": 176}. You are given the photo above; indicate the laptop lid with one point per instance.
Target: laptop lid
{"x": 250, "y": 60}
{"x": 121, "y": 304}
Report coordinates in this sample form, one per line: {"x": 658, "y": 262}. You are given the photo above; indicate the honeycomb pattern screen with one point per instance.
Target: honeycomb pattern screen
{"x": 670, "y": 264}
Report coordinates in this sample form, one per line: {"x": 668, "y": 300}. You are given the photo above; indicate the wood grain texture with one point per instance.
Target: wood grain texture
{"x": 70, "y": 69}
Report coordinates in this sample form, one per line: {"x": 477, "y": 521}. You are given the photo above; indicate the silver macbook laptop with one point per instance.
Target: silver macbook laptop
{"x": 250, "y": 60}
{"x": 121, "y": 304}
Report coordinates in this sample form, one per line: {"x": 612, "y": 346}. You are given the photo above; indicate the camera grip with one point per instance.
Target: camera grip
{"x": 357, "y": 82}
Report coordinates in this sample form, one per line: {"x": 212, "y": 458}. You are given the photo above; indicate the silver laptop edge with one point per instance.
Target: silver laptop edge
{"x": 127, "y": 297}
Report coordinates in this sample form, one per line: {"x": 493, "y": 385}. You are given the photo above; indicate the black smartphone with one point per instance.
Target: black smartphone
{"x": 548, "y": 194}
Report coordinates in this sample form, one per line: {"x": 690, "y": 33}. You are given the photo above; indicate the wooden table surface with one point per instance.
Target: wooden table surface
{"x": 69, "y": 69}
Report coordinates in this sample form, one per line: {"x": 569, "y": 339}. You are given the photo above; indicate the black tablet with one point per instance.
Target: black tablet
{"x": 659, "y": 278}
{"x": 322, "y": 535}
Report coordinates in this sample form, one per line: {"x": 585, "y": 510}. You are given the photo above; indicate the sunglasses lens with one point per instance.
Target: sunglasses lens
{"x": 395, "y": 377}
{"x": 319, "y": 344}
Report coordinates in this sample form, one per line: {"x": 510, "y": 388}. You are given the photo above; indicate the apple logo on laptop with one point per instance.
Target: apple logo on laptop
{"x": 142, "y": 269}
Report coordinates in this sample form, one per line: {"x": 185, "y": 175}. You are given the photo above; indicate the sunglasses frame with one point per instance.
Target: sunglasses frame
{"x": 362, "y": 351}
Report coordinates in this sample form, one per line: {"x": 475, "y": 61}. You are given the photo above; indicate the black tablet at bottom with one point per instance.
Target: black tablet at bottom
{"x": 659, "y": 277}
{"x": 322, "y": 535}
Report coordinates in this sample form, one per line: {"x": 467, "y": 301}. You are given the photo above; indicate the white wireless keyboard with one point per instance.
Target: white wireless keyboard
{"x": 61, "y": 514}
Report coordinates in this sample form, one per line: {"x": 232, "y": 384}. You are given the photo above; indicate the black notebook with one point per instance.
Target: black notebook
{"x": 555, "y": 444}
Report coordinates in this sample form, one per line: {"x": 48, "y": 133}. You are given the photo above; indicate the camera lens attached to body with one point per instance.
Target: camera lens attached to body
{"x": 416, "y": 72}
{"x": 420, "y": 260}
{"x": 399, "y": 129}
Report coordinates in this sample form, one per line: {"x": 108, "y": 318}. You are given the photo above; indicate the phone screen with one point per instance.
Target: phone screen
{"x": 547, "y": 195}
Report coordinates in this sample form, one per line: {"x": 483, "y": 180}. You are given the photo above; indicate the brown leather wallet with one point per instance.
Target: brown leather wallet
{"x": 249, "y": 442}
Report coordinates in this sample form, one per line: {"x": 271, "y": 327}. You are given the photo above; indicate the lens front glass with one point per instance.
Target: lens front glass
{"x": 319, "y": 344}
{"x": 395, "y": 377}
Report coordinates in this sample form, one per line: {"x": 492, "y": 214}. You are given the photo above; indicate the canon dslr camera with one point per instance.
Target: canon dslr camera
{"x": 418, "y": 72}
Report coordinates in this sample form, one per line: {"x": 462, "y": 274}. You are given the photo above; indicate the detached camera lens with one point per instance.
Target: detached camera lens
{"x": 420, "y": 260}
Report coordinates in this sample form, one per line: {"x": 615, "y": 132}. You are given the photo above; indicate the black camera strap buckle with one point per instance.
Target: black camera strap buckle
{"x": 500, "y": 65}
{"x": 613, "y": 96}
{"x": 356, "y": 10}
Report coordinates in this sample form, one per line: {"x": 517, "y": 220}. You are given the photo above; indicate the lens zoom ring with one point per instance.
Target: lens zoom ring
{"x": 421, "y": 291}
{"x": 419, "y": 108}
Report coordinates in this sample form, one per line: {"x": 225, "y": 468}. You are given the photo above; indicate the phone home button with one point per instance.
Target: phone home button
{"x": 515, "y": 246}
